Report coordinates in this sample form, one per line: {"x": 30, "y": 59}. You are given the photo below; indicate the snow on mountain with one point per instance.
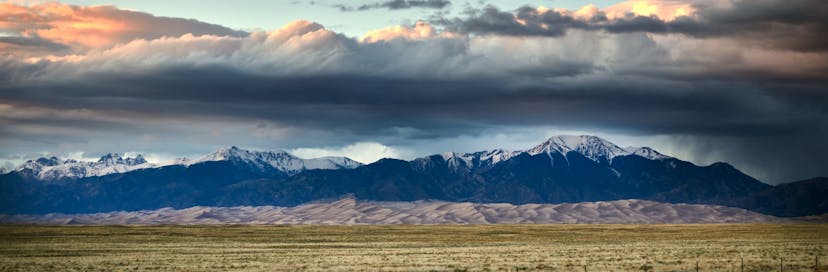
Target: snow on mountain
{"x": 459, "y": 161}
{"x": 279, "y": 160}
{"x": 646, "y": 152}
{"x": 331, "y": 163}
{"x": 495, "y": 156}
{"x": 591, "y": 147}
{"x": 176, "y": 161}
{"x": 467, "y": 161}
{"x": 54, "y": 168}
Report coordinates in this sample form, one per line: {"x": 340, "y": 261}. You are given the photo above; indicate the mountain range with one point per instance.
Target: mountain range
{"x": 53, "y": 168}
{"x": 563, "y": 169}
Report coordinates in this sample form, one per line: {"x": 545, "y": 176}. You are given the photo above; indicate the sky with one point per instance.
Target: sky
{"x": 743, "y": 82}
{"x": 268, "y": 15}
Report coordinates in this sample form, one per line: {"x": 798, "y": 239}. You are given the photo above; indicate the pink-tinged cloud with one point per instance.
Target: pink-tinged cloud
{"x": 664, "y": 9}
{"x": 298, "y": 48}
{"x": 667, "y": 10}
{"x": 88, "y": 27}
{"x": 420, "y": 30}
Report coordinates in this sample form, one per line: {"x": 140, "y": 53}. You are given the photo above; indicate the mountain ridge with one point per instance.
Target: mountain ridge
{"x": 53, "y": 168}
{"x": 592, "y": 147}
{"x": 560, "y": 170}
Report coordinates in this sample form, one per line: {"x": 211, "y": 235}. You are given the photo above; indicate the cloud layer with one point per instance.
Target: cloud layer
{"x": 714, "y": 87}
{"x": 794, "y": 25}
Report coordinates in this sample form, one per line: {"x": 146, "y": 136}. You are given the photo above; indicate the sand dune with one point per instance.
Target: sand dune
{"x": 351, "y": 211}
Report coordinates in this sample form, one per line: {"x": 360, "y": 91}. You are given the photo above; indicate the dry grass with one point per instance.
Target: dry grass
{"x": 404, "y": 248}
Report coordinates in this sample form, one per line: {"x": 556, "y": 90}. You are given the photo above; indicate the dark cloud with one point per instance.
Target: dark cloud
{"x": 31, "y": 43}
{"x": 748, "y": 115}
{"x": 397, "y": 4}
{"x": 785, "y": 157}
{"x": 797, "y": 25}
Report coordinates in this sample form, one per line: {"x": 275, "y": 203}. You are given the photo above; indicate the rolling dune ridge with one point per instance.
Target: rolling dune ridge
{"x": 352, "y": 211}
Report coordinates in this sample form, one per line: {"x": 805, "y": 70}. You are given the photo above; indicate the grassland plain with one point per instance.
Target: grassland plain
{"x": 415, "y": 247}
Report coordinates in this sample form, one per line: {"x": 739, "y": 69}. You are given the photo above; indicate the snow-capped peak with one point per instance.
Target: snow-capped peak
{"x": 53, "y": 168}
{"x": 458, "y": 161}
{"x": 495, "y": 156}
{"x": 116, "y": 159}
{"x": 645, "y": 152}
{"x": 592, "y": 147}
{"x": 468, "y": 161}
{"x": 344, "y": 162}
{"x": 278, "y": 159}
{"x": 231, "y": 153}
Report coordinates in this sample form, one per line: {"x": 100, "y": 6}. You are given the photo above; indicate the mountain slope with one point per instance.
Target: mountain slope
{"x": 805, "y": 197}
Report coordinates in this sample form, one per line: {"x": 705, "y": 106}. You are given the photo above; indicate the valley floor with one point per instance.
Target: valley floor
{"x": 415, "y": 247}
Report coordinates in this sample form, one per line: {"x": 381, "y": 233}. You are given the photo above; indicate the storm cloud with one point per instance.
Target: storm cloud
{"x": 796, "y": 25}
{"x": 709, "y": 95}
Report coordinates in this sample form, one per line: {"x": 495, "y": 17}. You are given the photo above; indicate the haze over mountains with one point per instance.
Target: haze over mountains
{"x": 563, "y": 169}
